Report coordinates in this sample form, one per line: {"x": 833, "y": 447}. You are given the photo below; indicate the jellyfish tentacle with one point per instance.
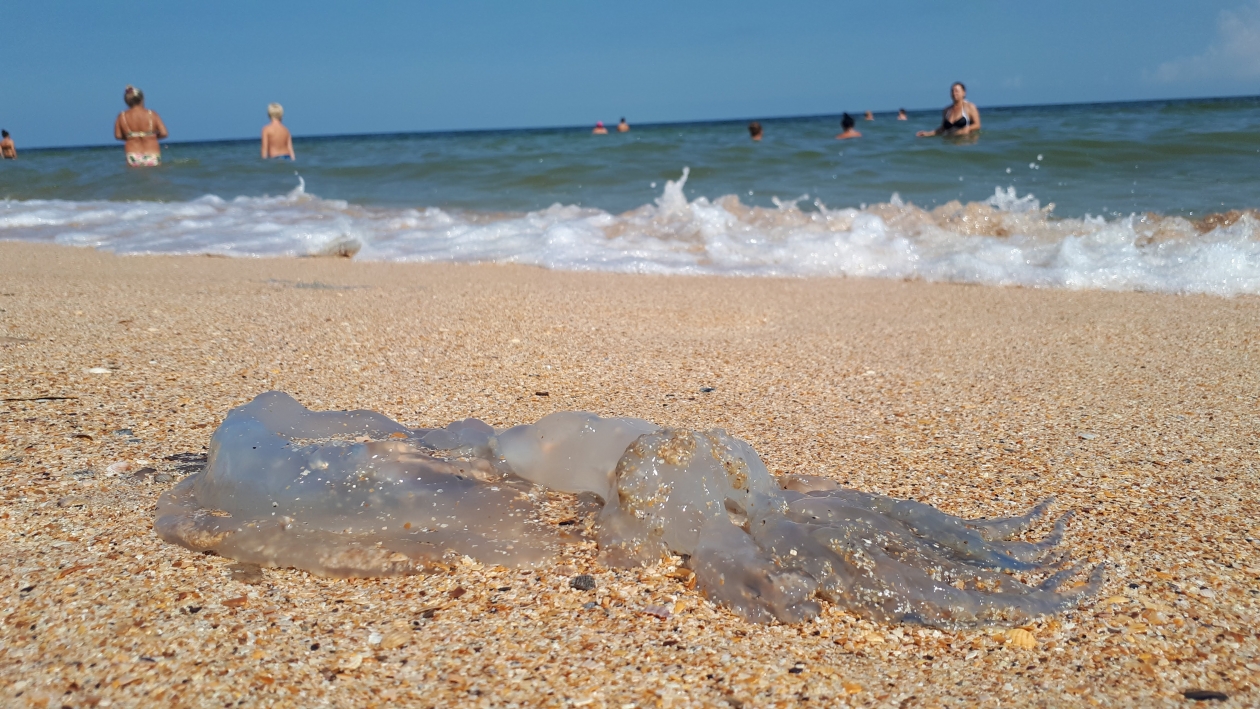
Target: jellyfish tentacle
{"x": 1036, "y": 552}
{"x": 1001, "y": 528}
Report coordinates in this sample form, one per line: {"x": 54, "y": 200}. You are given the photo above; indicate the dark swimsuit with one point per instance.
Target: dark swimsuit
{"x": 948, "y": 127}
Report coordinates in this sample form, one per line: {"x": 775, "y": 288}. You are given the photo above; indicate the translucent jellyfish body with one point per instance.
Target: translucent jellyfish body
{"x": 357, "y": 494}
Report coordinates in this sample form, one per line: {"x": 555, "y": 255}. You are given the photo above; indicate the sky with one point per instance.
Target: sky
{"x": 342, "y": 68}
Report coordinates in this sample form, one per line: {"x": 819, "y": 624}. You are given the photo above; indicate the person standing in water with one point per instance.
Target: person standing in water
{"x": 754, "y": 131}
{"x": 623, "y": 127}
{"x": 847, "y": 124}
{"x": 901, "y": 115}
{"x": 140, "y": 130}
{"x": 869, "y": 116}
{"x": 277, "y": 141}
{"x": 7, "y": 149}
{"x": 959, "y": 118}
{"x": 599, "y": 129}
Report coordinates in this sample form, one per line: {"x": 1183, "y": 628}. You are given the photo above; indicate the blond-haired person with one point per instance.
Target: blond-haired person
{"x": 141, "y": 146}
{"x": 277, "y": 141}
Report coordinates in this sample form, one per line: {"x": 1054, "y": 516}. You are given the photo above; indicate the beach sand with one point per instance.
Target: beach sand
{"x": 1140, "y": 411}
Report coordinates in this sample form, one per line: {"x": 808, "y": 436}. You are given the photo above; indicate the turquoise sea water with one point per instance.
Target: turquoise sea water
{"x": 797, "y": 203}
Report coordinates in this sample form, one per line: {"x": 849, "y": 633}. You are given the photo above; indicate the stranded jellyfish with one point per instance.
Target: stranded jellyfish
{"x": 357, "y": 494}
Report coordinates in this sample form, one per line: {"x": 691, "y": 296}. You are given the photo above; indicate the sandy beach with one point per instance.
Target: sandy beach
{"x": 1140, "y": 411}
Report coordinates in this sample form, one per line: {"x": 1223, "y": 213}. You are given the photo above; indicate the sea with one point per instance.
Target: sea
{"x": 1151, "y": 196}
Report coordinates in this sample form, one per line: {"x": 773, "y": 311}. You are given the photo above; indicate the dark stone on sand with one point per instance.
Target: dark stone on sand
{"x": 162, "y": 478}
{"x": 705, "y": 390}
{"x": 583, "y": 582}
{"x": 144, "y": 473}
{"x": 542, "y": 393}
{"x": 123, "y": 432}
{"x": 1203, "y": 695}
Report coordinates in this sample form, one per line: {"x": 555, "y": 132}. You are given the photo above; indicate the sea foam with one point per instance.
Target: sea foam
{"x": 1007, "y": 239}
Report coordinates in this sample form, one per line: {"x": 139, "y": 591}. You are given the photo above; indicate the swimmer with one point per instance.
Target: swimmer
{"x": 869, "y": 116}
{"x": 959, "y": 118}
{"x": 847, "y": 124}
{"x": 754, "y": 131}
{"x": 7, "y": 149}
{"x": 901, "y": 115}
{"x": 623, "y": 127}
{"x": 277, "y": 141}
{"x": 141, "y": 146}
{"x": 599, "y": 129}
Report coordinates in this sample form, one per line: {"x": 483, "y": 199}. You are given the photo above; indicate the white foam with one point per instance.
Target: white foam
{"x": 1005, "y": 240}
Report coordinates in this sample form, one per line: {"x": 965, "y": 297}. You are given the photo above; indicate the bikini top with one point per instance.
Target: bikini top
{"x": 129, "y": 134}
{"x": 962, "y": 122}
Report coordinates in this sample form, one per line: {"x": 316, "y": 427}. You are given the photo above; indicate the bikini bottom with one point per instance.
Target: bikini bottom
{"x": 143, "y": 160}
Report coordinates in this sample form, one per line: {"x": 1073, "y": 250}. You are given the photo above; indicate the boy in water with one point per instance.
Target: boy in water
{"x": 277, "y": 142}
{"x": 7, "y": 148}
{"x": 623, "y": 127}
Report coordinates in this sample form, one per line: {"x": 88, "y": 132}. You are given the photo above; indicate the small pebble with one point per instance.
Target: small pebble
{"x": 123, "y": 432}
{"x": 246, "y": 573}
{"x": 98, "y": 370}
{"x": 375, "y": 639}
{"x": 72, "y": 501}
{"x": 705, "y": 390}
{"x": 119, "y": 467}
{"x": 583, "y": 582}
{"x": 659, "y": 611}
{"x": 162, "y": 478}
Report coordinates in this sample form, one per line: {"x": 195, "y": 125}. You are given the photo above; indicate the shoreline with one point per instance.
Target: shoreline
{"x": 1135, "y": 409}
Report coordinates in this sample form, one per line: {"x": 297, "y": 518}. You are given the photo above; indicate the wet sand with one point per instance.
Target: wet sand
{"x": 1140, "y": 411}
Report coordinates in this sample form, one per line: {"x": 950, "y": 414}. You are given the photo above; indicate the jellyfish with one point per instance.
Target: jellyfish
{"x": 356, "y": 494}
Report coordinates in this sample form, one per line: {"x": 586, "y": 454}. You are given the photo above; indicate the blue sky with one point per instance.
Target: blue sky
{"x": 211, "y": 68}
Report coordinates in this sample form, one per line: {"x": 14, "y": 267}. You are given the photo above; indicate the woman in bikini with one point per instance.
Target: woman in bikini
{"x": 141, "y": 129}
{"x": 959, "y": 118}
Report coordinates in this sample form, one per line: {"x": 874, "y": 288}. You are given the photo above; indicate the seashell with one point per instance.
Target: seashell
{"x": 1117, "y": 599}
{"x": 1018, "y": 637}
{"x": 395, "y": 639}
{"x": 119, "y": 467}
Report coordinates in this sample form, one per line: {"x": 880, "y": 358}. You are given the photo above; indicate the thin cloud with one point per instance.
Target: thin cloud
{"x": 1234, "y": 54}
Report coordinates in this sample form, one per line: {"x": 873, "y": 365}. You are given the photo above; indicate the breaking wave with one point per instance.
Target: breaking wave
{"x": 1005, "y": 240}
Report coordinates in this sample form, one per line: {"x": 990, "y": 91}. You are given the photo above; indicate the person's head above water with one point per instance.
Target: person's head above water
{"x": 275, "y": 111}
{"x": 133, "y": 96}
{"x": 754, "y": 130}
{"x": 4, "y": 134}
{"x": 847, "y": 122}
{"x": 958, "y": 91}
